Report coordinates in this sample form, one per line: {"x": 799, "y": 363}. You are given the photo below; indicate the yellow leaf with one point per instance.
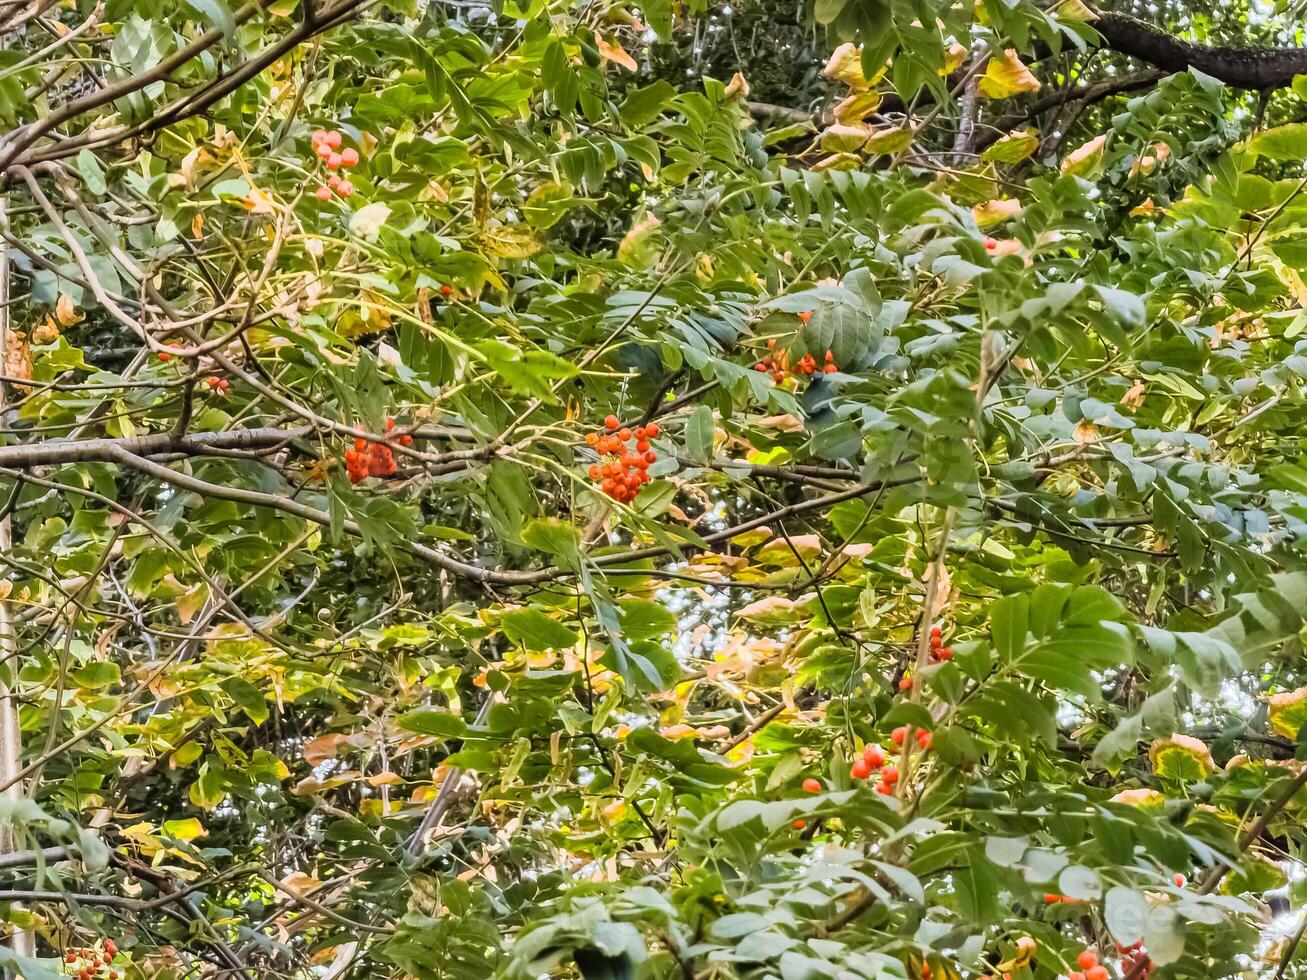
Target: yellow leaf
{"x": 890, "y": 140}
{"x": 994, "y": 212}
{"x": 841, "y": 138}
{"x": 1026, "y": 947}
{"x": 45, "y": 332}
{"x": 1005, "y": 75}
{"x": 511, "y": 243}
{"x": 838, "y": 161}
{"x": 957, "y": 53}
{"x": 1012, "y": 148}
{"x": 857, "y": 107}
{"x": 1147, "y": 798}
{"x": 187, "y": 829}
{"x": 614, "y": 52}
{"x": 737, "y": 88}
{"x": 1145, "y": 209}
{"x": 1074, "y": 10}
{"x": 1085, "y": 160}
{"x": 636, "y": 248}
{"x": 845, "y": 65}
{"x": 66, "y": 311}
{"x": 258, "y": 202}
{"x": 197, "y": 225}
{"x": 1287, "y": 712}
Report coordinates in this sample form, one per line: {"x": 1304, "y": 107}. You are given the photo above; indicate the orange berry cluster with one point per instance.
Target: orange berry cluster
{"x": 777, "y": 363}
{"x": 900, "y": 735}
{"x": 326, "y": 145}
{"x": 871, "y": 760}
{"x": 1090, "y": 968}
{"x": 938, "y": 651}
{"x": 87, "y": 963}
{"x": 621, "y": 471}
{"x": 219, "y": 386}
{"x": 369, "y": 458}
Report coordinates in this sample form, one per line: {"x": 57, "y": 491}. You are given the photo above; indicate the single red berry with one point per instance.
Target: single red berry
{"x": 800, "y": 824}
{"x": 811, "y": 785}
{"x": 1051, "y": 898}
{"x": 595, "y": 473}
{"x": 349, "y": 157}
{"x": 164, "y": 356}
{"x": 446, "y": 290}
{"x": 874, "y": 756}
{"x": 860, "y": 769}
{"x": 333, "y": 161}
{"x": 889, "y": 775}
{"x": 1098, "y": 973}
{"x": 905, "y": 684}
{"x": 345, "y": 188}
{"x": 322, "y": 151}
{"x": 592, "y": 438}
{"x": 652, "y": 429}
{"x": 70, "y": 958}
{"x": 332, "y": 138}
{"x": 651, "y": 457}
{"x": 624, "y": 435}
{"x": 936, "y": 632}
{"x": 318, "y": 136}
{"x": 1087, "y": 959}
{"x": 323, "y": 193}
{"x": 1179, "y": 880}
{"x": 899, "y": 734}
{"x": 924, "y": 739}
{"x": 885, "y": 789}
{"x": 1075, "y": 975}
{"x": 946, "y": 653}
{"x": 611, "y": 422}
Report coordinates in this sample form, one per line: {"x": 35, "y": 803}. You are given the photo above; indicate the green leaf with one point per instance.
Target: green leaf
{"x": 215, "y": 13}
{"x": 248, "y": 698}
{"x": 432, "y": 721}
{"x": 1008, "y": 624}
{"x": 1287, "y": 142}
{"x": 94, "y": 676}
{"x": 699, "y": 435}
{"x": 536, "y": 631}
{"x": 826, "y": 11}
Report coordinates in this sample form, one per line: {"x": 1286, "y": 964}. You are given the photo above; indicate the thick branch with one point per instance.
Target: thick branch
{"x": 1240, "y": 67}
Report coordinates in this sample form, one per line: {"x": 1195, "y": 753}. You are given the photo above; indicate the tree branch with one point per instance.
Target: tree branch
{"x": 1239, "y": 67}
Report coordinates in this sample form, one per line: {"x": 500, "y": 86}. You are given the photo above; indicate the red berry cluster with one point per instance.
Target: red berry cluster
{"x": 326, "y": 145}
{"x": 777, "y": 363}
{"x": 86, "y": 963}
{"x": 621, "y": 471}
{"x": 938, "y": 651}
{"x": 217, "y": 385}
{"x": 369, "y": 458}
{"x": 1092, "y": 969}
{"x": 900, "y": 735}
{"x": 872, "y": 760}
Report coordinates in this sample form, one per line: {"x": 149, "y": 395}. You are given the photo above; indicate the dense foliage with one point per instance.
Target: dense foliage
{"x": 565, "y": 489}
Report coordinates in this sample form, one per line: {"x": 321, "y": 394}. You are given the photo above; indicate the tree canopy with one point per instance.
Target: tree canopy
{"x": 543, "y": 488}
